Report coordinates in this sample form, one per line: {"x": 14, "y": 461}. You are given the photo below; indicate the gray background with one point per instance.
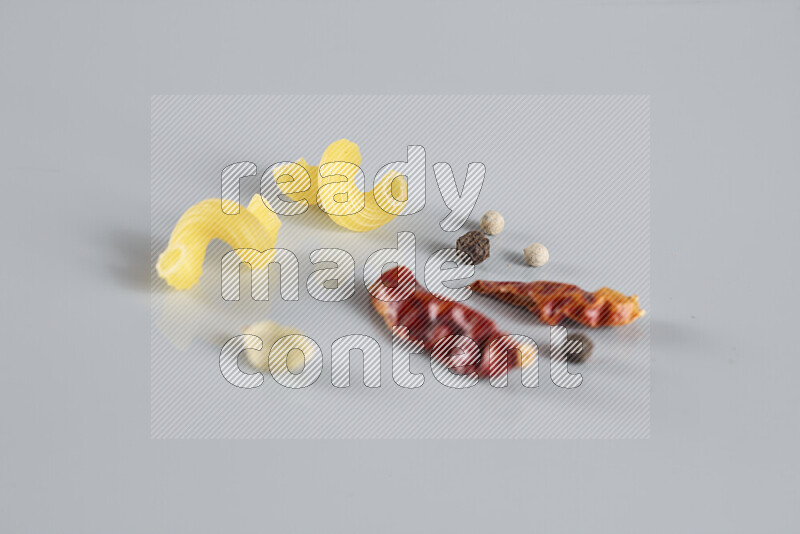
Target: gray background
{"x": 74, "y": 387}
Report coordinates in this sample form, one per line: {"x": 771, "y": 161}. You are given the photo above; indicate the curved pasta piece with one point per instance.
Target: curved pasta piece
{"x": 341, "y": 199}
{"x": 371, "y": 216}
{"x": 255, "y": 227}
{"x": 287, "y": 186}
{"x": 342, "y": 150}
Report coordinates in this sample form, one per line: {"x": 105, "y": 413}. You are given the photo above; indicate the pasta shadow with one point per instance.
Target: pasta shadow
{"x": 129, "y": 257}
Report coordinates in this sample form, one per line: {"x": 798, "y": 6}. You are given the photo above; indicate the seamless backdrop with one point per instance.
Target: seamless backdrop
{"x": 77, "y": 80}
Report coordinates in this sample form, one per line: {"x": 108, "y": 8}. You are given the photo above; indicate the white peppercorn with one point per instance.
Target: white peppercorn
{"x": 270, "y": 332}
{"x": 536, "y": 255}
{"x": 492, "y": 223}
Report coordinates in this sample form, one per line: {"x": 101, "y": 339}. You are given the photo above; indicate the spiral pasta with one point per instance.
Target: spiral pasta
{"x": 288, "y": 186}
{"x": 255, "y": 228}
{"x": 343, "y": 201}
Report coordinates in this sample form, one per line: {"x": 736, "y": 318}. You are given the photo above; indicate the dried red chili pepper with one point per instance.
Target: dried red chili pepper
{"x": 553, "y": 302}
{"x": 429, "y": 319}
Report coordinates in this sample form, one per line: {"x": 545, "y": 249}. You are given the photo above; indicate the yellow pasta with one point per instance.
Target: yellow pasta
{"x": 371, "y": 215}
{"x": 287, "y": 186}
{"x": 338, "y": 195}
{"x": 255, "y": 227}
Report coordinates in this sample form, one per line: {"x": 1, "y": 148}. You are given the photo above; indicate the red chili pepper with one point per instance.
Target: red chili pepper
{"x": 553, "y": 302}
{"x": 429, "y": 319}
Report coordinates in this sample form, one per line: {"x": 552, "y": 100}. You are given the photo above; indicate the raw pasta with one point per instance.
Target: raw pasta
{"x": 338, "y": 195}
{"x": 255, "y": 228}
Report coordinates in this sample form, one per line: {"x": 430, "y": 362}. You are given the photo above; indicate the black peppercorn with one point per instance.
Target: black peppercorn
{"x": 475, "y": 245}
{"x": 578, "y": 348}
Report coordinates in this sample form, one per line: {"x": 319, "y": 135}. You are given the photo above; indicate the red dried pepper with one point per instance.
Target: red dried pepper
{"x": 429, "y": 319}
{"x": 553, "y": 302}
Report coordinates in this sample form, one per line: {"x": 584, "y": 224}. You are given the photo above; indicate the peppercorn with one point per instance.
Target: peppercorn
{"x": 492, "y": 223}
{"x": 536, "y": 255}
{"x": 475, "y": 245}
{"x": 578, "y": 348}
